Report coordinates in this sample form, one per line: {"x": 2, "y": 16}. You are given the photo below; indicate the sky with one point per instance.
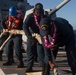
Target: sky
{"x": 68, "y": 11}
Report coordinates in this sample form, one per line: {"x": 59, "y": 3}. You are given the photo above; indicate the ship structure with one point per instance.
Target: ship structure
{"x": 23, "y": 4}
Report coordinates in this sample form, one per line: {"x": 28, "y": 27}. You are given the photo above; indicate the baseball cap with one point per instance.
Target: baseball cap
{"x": 45, "y": 26}
{"x": 39, "y": 8}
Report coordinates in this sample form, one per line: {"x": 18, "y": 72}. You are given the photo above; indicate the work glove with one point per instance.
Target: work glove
{"x": 37, "y": 37}
{"x": 53, "y": 47}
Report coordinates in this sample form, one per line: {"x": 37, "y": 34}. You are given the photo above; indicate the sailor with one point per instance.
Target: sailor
{"x": 21, "y": 7}
{"x": 31, "y": 25}
{"x": 58, "y": 33}
{"x": 14, "y": 21}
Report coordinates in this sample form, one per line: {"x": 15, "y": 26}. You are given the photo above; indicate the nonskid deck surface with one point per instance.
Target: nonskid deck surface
{"x": 61, "y": 61}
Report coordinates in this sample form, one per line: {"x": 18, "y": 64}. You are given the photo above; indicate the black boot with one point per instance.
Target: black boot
{"x": 43, "y": 70}
{"x": 73, "y": 71}
{"x": 21, "y": 65}
{"x": 29, "y": 69}
{"x": 46, "y": 70}
{"x": 8, "y": 63}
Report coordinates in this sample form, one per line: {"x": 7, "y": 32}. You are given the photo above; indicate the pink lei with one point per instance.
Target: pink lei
{"x": 36, "y": 20}
{"x": 48, "y": 44}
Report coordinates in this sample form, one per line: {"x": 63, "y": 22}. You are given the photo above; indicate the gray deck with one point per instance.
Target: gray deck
{"x": 61, "y": 61}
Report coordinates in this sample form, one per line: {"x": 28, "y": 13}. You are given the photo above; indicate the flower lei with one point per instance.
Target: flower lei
{"x": 35, "y": 17}
{"x": 48, "y": 44}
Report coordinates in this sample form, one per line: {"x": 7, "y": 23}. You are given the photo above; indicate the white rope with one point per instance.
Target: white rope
{"x": 2, "y": 46}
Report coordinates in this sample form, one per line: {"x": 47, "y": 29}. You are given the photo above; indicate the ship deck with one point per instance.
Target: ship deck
{"x": 61, "y": 61}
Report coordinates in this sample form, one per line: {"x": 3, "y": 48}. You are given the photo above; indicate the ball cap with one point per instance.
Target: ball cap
{"x": 39, "y": 8}
{"x": 39, "y": 5}
{"x": 44, "y": 26}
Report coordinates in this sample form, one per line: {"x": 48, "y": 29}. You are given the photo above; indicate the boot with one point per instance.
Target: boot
{"x": 29, "y": 69}
{"x": 8, "y": 63}
{"x": 46, "y": 70}
{"x": 43, "y": 70}
{"x": 21, "y": 65}
{"x": 73, "y": 71}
